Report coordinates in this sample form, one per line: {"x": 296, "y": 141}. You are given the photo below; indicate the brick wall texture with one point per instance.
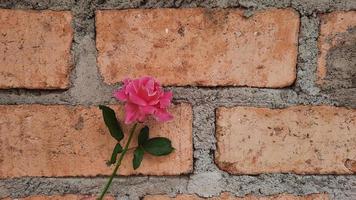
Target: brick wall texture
{"x": 264, "y": 98}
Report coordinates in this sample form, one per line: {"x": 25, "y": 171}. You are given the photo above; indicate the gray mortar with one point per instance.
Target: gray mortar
{"x": 87, "y": 88}
{"x": 341, "y": 63}
{"x": 307, "y": 58}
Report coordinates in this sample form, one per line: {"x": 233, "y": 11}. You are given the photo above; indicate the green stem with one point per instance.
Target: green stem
{"x": 107, "y": 186}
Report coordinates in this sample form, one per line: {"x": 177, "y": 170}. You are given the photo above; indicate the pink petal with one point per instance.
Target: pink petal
{"x": 153, "y": 102}
{"x": 147, "y": 109}
{"x": 149, "y": 87}
{"x": 144, "y": 96}
{"x": 141, "y": 117}
{"x": 144, "y": 80}
{"x": 162, "y": 115}
{"x": 131, "y": 113}
{"x": 166, "y": 99}
{"x": 126, "y": 81}
{"x": 136, "y": 99}
{"x": 135, "y": 85}
{"x": 120, "y": 95}
{"x": 157, "y": 83}
{"x": 142, "y": 93}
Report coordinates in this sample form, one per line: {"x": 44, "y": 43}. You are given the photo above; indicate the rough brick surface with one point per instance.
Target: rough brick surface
{"x": 337, "y": 50}
{"x": 301, "y": 139}
{"x": 57, "y": 197}
{"x": 35, "y": 49}
{"x": 226, "y": 196}
{"x": 39, "y": 140}
{"x": 199, "y": 46}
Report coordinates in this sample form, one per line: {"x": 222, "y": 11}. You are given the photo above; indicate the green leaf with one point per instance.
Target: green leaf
{"x": 143, "y": 136}
{"x": 117, "y": 150}
{"x": 112, "y": 123}
{"x": 138, "y": 156}
{"x": 158, "y": 146}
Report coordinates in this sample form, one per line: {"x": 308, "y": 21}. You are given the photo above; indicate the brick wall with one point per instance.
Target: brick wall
{"x": 264, "y": 98}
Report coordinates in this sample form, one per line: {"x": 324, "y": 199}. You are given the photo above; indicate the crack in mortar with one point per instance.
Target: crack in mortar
{"x": 87, "y": 88}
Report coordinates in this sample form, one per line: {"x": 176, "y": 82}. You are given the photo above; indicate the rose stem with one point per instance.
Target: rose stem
{"x": 118, "y": 163}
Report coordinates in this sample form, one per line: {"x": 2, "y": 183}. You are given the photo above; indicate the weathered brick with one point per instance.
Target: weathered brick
{"x": 226, "y": 196}
{"x": 59, "y": 197}
{"x": 300, "y": 139}
{"x": 59, "y": 140}
{"x": 199, "y": 46}
{"x": 35, "y": 49}
{"x": 337, "y": 50}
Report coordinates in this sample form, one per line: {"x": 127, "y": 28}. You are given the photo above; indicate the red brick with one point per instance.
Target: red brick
{"x": 199, "y": 46}
{"x": 300, "y": 139}
{"x": 226, "y": 196}
{"x": 35, "y": 49}
{"x": 59, "y": 197}
{"x": 333, "y": 28}
{"x": 59, "y": 140}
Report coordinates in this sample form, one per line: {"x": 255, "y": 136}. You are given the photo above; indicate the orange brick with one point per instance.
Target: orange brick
{"x": 35, "y": 49}
{"x": 332, "y": 27}
{"x": 58, "y": 140}
{"x": 199, "y": 46}
{"x": 226, "y": 196}
{"x": 58, "y": 197}
{"x": 300, "y": 139}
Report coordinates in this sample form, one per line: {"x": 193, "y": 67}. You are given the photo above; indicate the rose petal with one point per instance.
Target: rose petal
{"x": 141, "y": 117}
{"x": 135, "y": 85}
{"x": 162, "y": 115}
{"x": 126, "y": 81}
{"x": 147, "y": 109}
{"x": 120, "y": 95}
{"x": 136, "y": 99}
{"x": 144, "y": 80}
{"x": 166, "y": 99}
{"x": 131, "y": 113}
{"x": 144, "y": 97}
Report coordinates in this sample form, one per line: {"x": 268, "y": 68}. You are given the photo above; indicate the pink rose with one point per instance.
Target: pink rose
{"x": 144, "y": 97}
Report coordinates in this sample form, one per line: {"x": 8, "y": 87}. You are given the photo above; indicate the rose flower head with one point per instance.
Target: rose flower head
{"x": 144, "y": 97}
